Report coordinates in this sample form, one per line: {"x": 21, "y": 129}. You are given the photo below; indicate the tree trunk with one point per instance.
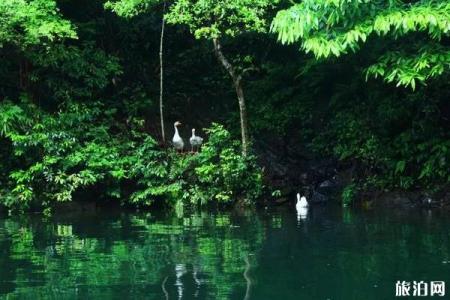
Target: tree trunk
{"x": 161, "y": 79}
{"x": 237, "y": 81}
{"x": 243, "y": 116}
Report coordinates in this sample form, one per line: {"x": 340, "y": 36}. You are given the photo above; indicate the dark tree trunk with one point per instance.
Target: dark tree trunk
{"x": 237, "y": 82}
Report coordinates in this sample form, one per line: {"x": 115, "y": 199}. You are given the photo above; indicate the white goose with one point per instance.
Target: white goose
{"x": 195, "y": 141}
{"x": 177, "y": 141}
{"x": 301, "y": 202}
{"x": 301, "y": 207}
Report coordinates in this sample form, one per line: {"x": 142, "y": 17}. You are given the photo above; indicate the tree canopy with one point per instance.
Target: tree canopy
{"x": 32, "y": 22}
{"x": 214, "y": 19}
{"x": 414, "y": 34}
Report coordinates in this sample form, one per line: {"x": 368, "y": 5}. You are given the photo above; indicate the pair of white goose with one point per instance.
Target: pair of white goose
{"x": 178, "y": 142}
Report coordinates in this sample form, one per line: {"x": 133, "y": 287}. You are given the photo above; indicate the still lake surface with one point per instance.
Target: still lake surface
{"x": 329, "y": 253}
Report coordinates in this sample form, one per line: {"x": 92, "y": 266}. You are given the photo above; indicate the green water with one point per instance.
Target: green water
{"x": 332, "y": 253}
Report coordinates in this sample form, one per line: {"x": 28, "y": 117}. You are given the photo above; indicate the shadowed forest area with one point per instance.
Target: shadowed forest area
{"x": 314, "y": 96}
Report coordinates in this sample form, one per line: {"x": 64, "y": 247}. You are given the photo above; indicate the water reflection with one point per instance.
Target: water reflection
{"x": 156, "y": 257}
{"x": 302, "y": 213}
{"x": 247, "y": 278}
{"x": 334, "y": 253}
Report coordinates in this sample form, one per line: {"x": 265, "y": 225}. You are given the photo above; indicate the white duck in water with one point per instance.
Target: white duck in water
{"x": 177, "y": 141}
{"x": 301, "y": 207}
{"x": 301, "y": 202}
{"x": 195, "y": 141}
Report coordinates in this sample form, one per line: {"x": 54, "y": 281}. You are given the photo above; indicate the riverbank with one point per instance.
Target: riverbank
{"x": 294, "y": 169}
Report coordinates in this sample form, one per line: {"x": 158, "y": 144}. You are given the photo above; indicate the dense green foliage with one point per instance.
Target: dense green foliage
{"x": 78, "y": 148}
{"x": 400, "y": 137}
{"x": 388, "y": 138}
{"x": 205, "y": 18}
{"x": 79, "y": 116}
{"x": 414, "y": 31}
{"x": 215, "y": 19}
{"x": 32, "y": 22}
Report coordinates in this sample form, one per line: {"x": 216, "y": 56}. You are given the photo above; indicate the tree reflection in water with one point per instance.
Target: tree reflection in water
{"x": 200, "y": 256}
{"x": 332, "y": 253}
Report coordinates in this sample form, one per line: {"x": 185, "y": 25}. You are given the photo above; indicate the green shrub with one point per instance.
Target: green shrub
{"x": 223, "y": 172}
{"x": 219, "y": 173}
{"x": 83, "y": 146}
